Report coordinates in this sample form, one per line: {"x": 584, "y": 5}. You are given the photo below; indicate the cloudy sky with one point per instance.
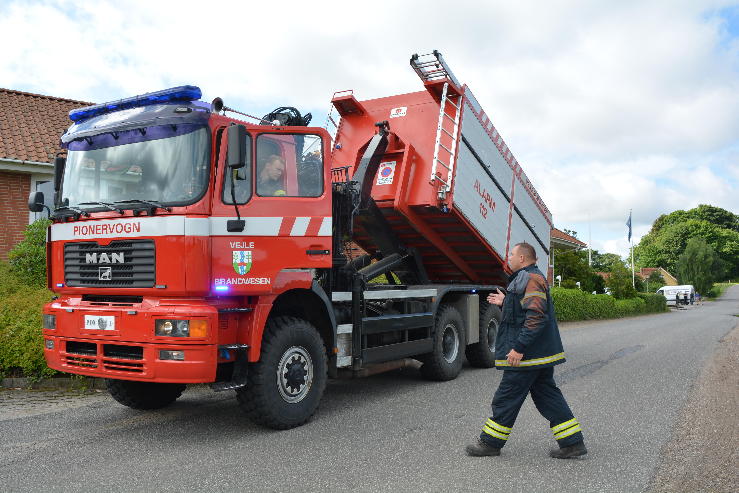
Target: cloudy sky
{"x": 608, "y": 106}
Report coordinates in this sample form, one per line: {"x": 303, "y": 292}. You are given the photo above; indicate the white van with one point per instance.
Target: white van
{"x": 676, "y": 294}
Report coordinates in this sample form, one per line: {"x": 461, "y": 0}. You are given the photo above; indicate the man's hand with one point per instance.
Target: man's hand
{"x": 496, "y": 298}
{"x": 514, "y": 357}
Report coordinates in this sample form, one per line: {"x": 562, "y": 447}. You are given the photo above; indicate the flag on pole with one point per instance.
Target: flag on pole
{"x": 628, "y": 223}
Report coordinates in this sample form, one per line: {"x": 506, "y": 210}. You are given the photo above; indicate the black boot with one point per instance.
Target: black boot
{"x": 569, "y": 452}
{"x": 481, "y": 449}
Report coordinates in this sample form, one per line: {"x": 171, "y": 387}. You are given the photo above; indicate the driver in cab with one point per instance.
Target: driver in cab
{"x": 271, "y": 177}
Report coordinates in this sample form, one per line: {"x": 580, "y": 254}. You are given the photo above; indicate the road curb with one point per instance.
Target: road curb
{"x": 53, "y": 383}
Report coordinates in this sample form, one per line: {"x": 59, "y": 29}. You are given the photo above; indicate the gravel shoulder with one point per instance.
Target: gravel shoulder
{"x": 704, "y": 452}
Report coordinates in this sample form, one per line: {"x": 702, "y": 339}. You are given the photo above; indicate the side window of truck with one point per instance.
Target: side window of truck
{"x": 289, "y": 165}
{"x": 242, "y": 181}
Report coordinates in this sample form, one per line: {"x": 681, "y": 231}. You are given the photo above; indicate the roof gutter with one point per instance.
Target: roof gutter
{"x": 24, "y": 166}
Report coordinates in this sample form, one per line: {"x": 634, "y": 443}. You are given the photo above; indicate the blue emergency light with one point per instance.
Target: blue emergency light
{"x": 221, "y": 287}
{"x": 181, "y": 93}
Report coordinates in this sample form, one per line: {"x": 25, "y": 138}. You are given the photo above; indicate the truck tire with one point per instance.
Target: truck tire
{"x": 482, "y": 354}
{"x": 445, "y": 361}
{"x": 285, "y": 386}
{"x": 144, "y": 395}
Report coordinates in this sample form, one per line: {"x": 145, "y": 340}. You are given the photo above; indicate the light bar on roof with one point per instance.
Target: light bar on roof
{"x": 181, "y": 93}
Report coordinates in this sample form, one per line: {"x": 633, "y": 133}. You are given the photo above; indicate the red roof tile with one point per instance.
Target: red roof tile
{"x": 31, "y": 125}
{"x": 561, "y": 235}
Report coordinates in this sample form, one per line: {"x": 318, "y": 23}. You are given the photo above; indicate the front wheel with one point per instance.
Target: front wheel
{"x": 445, "y": 361}
{"x": 285, "y": 386}
{"x": 144, "y": 395}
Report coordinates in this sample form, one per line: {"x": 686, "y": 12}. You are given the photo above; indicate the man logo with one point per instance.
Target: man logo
{"x": 104, "y": 258}
{"x": 102, "y": 323}
{"x": 242, "y": 261}
{"x": 105, "y": 273}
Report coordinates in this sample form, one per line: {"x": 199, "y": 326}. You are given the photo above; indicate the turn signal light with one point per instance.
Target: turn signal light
{"x": 198, "y": 328}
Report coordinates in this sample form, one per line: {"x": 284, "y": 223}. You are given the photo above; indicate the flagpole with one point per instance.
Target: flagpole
{"x": 631, "y": 238}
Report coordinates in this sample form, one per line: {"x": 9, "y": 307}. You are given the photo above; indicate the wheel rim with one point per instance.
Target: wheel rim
{"x": 295, "y": 374}
{"x": 450, "y": 343}
{"x": 492, "y": 334}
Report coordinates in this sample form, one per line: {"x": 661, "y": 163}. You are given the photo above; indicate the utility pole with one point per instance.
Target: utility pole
{"x": 590, "y": 243}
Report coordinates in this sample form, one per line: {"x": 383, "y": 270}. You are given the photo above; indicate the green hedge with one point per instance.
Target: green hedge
{"x": 21, "y": 342}
{"x": 575, "y": 304}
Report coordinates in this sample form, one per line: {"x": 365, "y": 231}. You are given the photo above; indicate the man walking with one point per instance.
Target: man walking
{"x": 528, "y": 346}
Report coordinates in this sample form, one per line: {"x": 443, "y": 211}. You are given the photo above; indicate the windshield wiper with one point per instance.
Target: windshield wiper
{"x": 153, "y": 205}
{"x": 73, "y": 209}
{"x": 110, "y": 207}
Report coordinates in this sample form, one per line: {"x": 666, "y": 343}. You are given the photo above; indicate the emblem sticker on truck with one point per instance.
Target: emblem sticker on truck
{"x": 386, "y": 173}
{"x": 242, "y": 261}
{"x": 397, "y": 112}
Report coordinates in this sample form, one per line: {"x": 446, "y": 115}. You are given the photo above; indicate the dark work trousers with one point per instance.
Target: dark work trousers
{"x": 508, "y": 399}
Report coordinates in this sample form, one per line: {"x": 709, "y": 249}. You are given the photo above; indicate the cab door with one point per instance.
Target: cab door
{"x": 284, "y": 196}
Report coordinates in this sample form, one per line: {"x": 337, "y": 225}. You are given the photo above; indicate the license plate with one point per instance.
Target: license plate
{"x": 100, "y": 322}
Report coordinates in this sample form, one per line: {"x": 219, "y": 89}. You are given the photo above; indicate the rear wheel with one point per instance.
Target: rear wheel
{"x": 144, "y": 395}
{"x": 285, "y": 386}
{"x": 482, "y": 354}
{"x": 445, "y": 361}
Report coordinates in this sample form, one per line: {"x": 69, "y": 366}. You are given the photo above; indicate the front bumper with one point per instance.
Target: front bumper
{"x": 131, "y": 361}
{"x": 126, "y": 347}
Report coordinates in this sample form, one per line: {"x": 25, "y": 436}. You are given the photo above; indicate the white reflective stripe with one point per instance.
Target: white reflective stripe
{"x": 494, "y": 433}
{"x": 566, "y": 433}
{"x": 119, "y": 228}
{"x": 255, "y": 226}
{"x": 197, "y": 226}
{"x": 134, "y": 227}
{"x": 325, "y": 227}
{"x": 562, "y": 426}
{"x": 300, "y": 226}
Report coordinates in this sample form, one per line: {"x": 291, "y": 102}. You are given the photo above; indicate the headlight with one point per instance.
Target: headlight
{"x": 49, "y": 322}
{"x": 180, "y": 328}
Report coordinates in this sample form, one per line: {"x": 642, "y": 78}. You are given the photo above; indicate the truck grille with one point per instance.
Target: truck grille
{"x": 121, "y": 264}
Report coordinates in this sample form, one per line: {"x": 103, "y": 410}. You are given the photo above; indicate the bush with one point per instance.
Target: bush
{"x": 21, "y": 341}
{"x": 575, "y": 304}
{"x": 655, "y": 303}
{"x": 28, "y": 258}
{"x": 630, "y": 306}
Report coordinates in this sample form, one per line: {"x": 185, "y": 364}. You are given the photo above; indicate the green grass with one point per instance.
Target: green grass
{"x": 718, "y": 289}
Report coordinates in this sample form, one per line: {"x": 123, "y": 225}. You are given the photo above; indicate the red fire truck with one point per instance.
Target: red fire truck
{"x": 189, "y": 247}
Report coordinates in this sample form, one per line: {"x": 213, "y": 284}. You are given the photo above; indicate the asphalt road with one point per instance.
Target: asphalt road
{"x": 626, "y": 381}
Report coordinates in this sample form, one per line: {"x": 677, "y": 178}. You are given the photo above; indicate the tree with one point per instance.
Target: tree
{"x": 603, "y": 262}
{"x": 570, "y": 232}
{"x": 594, "y": 282}
{"x": 654, "y": 281}
{"x": 571, "y": 264}
{"x": 619, "y": 282}
{"x": 28, "y": 258}
{"x": 699, "y": 265}
{"x": 670, "y": 234}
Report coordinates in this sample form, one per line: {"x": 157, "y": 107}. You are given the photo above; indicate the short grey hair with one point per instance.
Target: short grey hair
{"x": 526, "y": 250}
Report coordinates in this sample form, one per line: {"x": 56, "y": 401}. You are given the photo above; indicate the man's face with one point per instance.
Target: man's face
{"x": 275, "y": 169}
{"x": 515, "y": 259}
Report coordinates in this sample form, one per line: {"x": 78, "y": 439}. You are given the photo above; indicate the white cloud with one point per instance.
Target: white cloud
{"x": 609, "y": 106}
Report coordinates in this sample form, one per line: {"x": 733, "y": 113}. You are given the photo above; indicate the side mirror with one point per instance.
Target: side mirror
{"x": 36, "y": 201}
{"x": 236, "y": 157}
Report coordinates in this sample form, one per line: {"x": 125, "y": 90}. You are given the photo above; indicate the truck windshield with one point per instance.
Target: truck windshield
{"x": 167, "y": 164}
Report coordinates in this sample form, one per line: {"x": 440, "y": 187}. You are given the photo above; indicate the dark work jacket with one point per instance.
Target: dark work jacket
{"x": 537, "y": 338}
